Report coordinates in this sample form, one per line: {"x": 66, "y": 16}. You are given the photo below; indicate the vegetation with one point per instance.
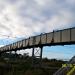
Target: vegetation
{"x": 11, "y": 64}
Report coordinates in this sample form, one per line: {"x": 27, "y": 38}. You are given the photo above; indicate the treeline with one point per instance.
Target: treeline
{"x": 11, "y": 56}
{"x": 18, "y": 64}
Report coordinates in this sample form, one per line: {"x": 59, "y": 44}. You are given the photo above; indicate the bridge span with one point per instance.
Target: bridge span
{"x": 60, "y": 37}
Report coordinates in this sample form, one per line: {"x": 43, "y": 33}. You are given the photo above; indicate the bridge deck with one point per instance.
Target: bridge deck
{"x": 61, "y": 37}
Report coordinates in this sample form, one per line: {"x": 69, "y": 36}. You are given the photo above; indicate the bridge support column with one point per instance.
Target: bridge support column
{"x": 37, "y": 57}
{"x": 15, "y": 54}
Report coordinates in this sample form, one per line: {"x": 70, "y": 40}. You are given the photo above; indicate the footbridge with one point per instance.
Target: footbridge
{"x": 60, "y": 37}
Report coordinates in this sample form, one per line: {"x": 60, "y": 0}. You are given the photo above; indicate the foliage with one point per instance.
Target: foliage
{"x": 22, "y": 65}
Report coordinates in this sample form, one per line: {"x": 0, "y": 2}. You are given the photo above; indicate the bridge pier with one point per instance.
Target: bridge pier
{"x": 15, "y": 54}
{"x": 37, "y": 57}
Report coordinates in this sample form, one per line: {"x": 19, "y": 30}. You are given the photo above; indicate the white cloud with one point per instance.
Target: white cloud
{"x": 23, "y": 18}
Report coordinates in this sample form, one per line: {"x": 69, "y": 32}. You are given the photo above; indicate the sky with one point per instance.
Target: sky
{"x": 23, "y": 18}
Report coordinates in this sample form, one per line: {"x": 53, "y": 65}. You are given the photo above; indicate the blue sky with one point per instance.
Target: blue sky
{"x": 24, "y": 18}
{"x": 65, "y": 52}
